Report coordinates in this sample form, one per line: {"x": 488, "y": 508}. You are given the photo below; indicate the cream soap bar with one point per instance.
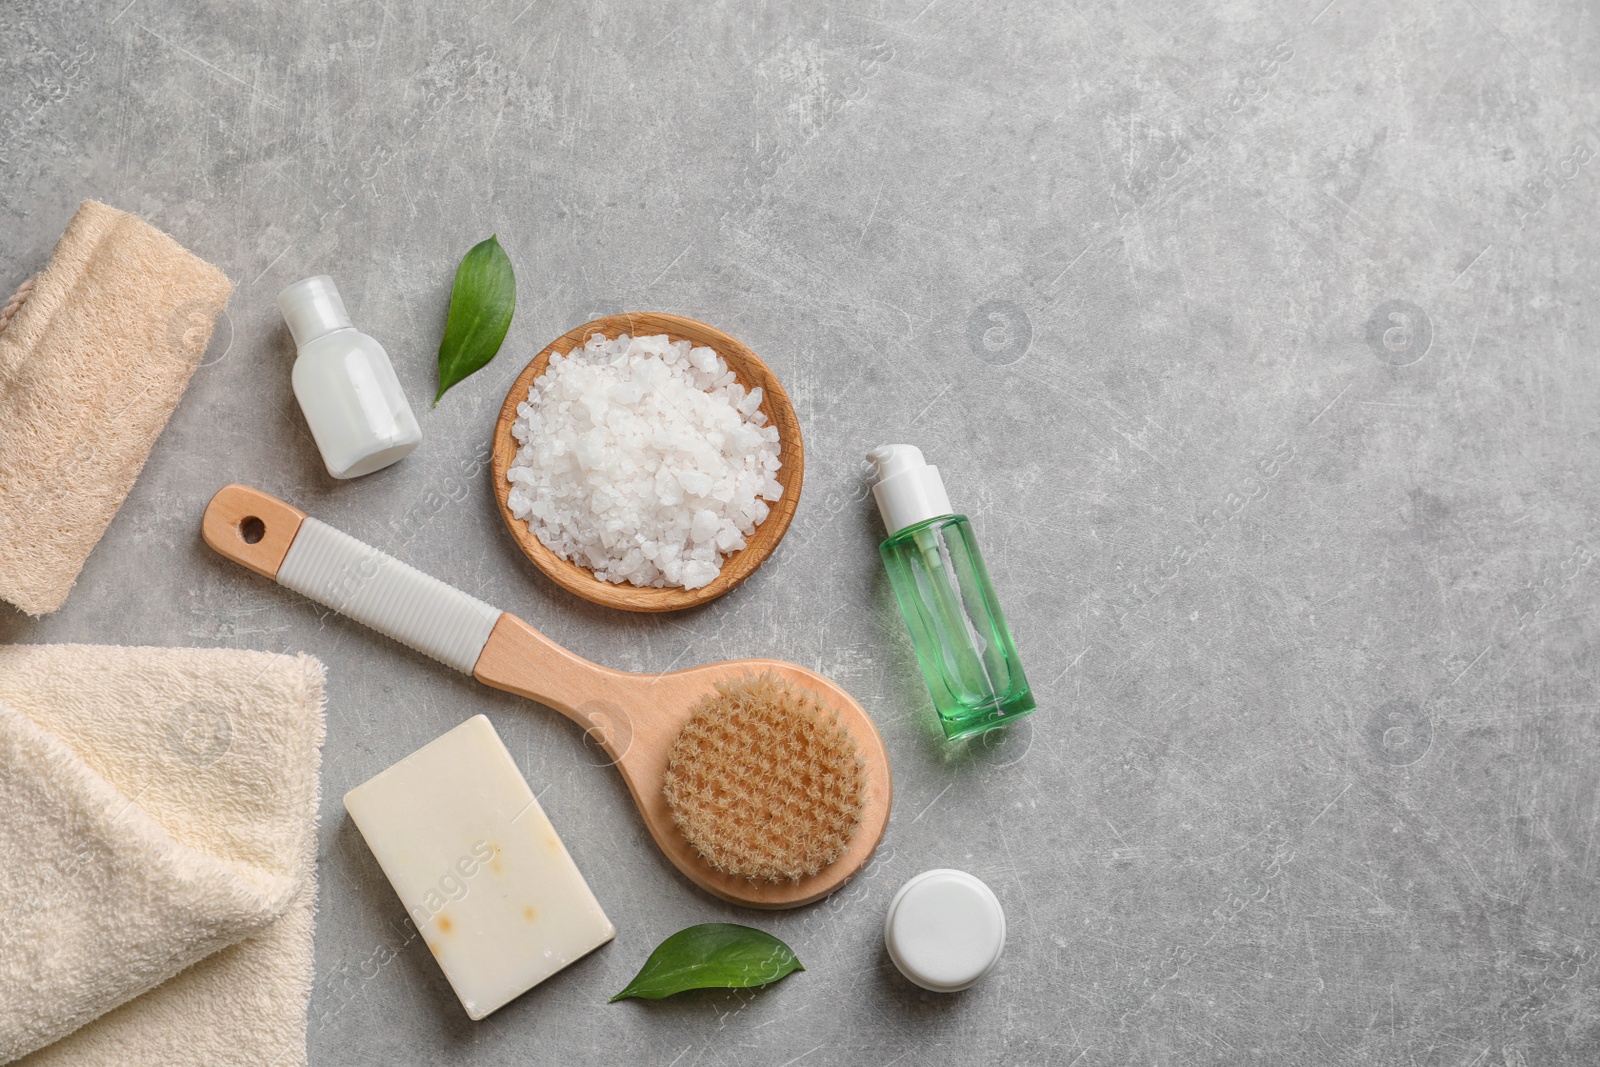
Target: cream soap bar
{"x": 477, "y": 865}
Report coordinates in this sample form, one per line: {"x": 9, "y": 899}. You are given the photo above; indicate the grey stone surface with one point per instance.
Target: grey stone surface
{"x": 1258, "y": 341}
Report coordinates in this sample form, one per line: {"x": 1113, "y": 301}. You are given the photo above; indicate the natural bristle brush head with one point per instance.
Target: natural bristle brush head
{"x": 764, "y": 782}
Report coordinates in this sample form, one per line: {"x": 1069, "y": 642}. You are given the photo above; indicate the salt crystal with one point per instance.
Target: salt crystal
{"x": 695, "y": 482}
{"x": 705, "y": 525}
{"x": 699, "y": 573}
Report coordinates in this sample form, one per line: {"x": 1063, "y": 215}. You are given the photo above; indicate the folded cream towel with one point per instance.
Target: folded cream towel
{"x": 91, "y": 367}
{"x": 157, "y": 855}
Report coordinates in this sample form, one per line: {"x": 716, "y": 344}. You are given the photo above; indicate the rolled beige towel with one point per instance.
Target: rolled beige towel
{"x": 91, "y": 366}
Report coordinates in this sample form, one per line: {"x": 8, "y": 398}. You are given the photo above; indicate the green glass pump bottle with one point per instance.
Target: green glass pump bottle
{"x": 963, "y": 644}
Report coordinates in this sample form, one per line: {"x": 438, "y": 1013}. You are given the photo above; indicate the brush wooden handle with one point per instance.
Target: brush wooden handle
{"x": 281, "y": 542}
{"x": 633, "y": 718}
{"x": 351, "y": 577}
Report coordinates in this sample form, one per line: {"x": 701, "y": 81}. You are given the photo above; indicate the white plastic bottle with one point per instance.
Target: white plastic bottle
{"x": 345, "y": 384}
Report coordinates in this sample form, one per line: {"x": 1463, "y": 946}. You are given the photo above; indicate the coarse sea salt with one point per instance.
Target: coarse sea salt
{"x": 644, "y": 460}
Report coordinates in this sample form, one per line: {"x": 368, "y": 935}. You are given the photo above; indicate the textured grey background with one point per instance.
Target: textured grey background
{"x": 1259, "y": 342}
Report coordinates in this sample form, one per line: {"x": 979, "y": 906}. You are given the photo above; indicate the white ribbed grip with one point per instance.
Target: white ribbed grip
{"x": 357, "y": 580}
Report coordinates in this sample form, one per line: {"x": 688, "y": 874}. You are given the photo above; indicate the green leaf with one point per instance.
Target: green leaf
{"x": 712, "y": 956}
{"x": 481, "y": 305}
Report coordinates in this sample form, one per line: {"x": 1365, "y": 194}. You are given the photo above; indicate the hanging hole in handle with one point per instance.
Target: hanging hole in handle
{"x": 252, "y": 529}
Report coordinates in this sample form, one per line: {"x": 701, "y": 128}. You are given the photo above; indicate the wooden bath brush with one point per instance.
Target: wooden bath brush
{"x": 765, "y": 783}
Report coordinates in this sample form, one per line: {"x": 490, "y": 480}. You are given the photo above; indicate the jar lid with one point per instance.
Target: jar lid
{"x": 945, "y": 930}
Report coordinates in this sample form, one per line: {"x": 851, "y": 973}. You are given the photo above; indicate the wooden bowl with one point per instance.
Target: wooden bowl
{"x": 737, "y": 567}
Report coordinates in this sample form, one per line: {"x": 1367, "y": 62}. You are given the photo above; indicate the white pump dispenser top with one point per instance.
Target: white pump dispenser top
{"x": 908, "y": 490}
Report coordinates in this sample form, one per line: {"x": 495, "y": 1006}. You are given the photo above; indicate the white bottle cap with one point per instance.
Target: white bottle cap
{"x": 907, "y": 489}
{"x": 945, "y": 930}
{"x": 312, "y": 307}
